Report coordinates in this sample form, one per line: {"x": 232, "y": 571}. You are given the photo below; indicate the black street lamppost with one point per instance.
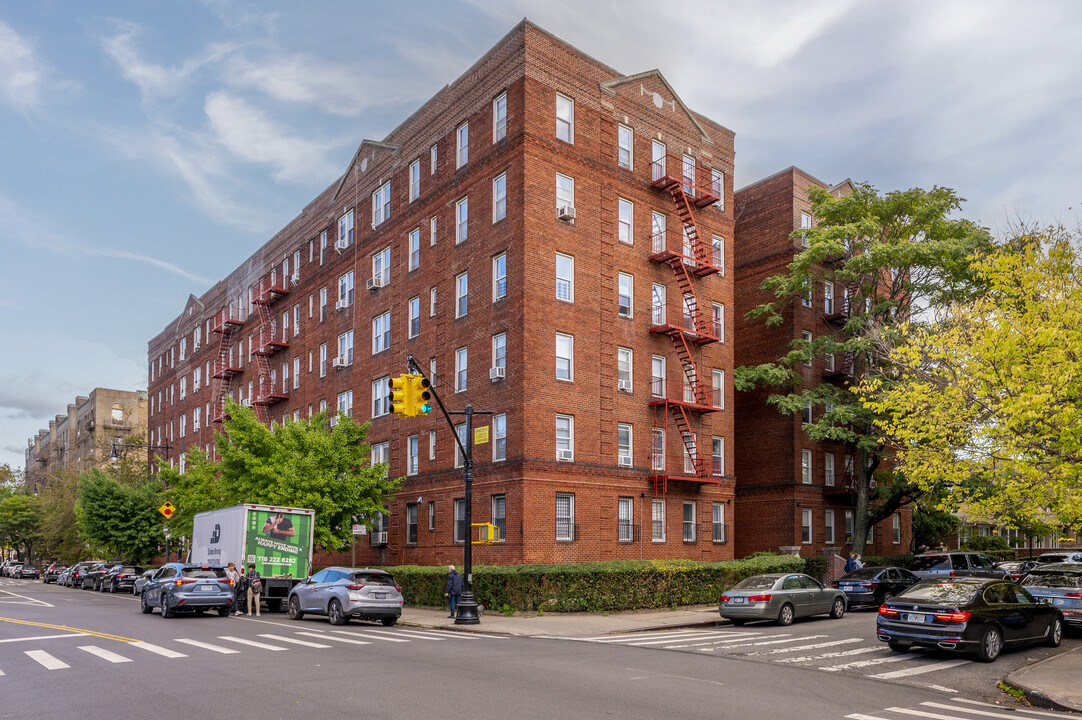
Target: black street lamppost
{"x": 114, "y": 456}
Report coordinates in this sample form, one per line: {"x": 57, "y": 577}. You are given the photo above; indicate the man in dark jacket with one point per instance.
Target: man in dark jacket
{"x": 851, "y": 563}
{"x": 454, "y": 588}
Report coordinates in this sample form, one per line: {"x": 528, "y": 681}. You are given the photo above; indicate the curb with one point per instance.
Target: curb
{"x": 1035, "y": 695}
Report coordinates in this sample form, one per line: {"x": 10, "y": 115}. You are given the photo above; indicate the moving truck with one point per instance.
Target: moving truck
{"x": 277, "y": 539}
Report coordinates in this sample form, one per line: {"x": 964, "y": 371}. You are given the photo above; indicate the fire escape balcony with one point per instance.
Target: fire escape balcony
{"x": 695, "y": 327}
{"x": 673, "y": 174}
{"x": 670, "y": 246}
{"x": 265, "y": 396}
{"x": 223, "y": 369}
{"x": 838, "y": 368}
{"x": 700, "y": 399}
{"x": 226, "y": 321}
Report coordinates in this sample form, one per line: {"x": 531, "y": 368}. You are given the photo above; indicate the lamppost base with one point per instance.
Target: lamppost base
{"x": 467, "y": 610}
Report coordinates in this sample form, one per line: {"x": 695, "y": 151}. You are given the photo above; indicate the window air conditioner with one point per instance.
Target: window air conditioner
{"x": 624, "y": 461}
{"x": 565, "y": 455}
{"x": 496, "y": 373}
{"x": 339, "y": 362}
{"x": 379, "y": 538}
{"x": 341, "y": 305}
{"x": 247, "y": 402}
{"x": 340, "y": 245}
{"x": 295, "y": 278}
{"x": 623, "y": 385}
{"x": 566, "y": 212}
{"x": 374, "y": 283}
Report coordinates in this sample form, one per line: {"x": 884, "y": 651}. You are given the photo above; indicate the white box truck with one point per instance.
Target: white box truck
{"x": 277, "y": 539}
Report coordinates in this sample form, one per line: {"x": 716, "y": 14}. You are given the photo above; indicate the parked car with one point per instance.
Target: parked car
{"x": 119, "y": 577}
{"x": 1016, "y": 569}
{"x": 143, "y": 579}
{"x": 62, "y": 577}
{"x": 27, "y": 571}
{"x": 930, "y": 566}
{"x": 1061, "y": 556}
{"x": 183, "y": 586}
{"x": 780, "y": 597}
{"x": 342, "y": 593}
{"x": 874, "y": 585}
{"x": 9, "y": 568}
{"x": 1059, "y": 585}
{"x": 52, "y": 572}
{"x": 91, "y": 579}
{"x": 75, "y": 577}
{"x": 968, "y": 614}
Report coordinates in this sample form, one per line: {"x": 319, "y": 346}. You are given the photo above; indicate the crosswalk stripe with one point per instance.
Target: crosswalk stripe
{"x": 982, "y": 713}
{"x": 164, "y": 652}
{"x": 813, "y": 646}
{"x": 437, "y": 634}
{"x": 639, "y": 636}
{"x": 934, "y": 716}
{"x": 748, "y": 636}
{"x": 45, "y": 659}
{"x": 1028, "y": 711}
{"x": 867, "y": 663}
{"x": 207, "y": 646}
{"x": 862, "y": 716}
{"x": 710, "y": 636}
{"x": 825, "y": 656}
{"x": 920, "y": 670}
{"x": 252, "y": 643}
{"x": 295, "y": 641}
{"x": 104, "y": 654}
{"x": 370, "y": 636}
{"x": 417, "y": 634}
{"x": 324, "y": 636}
{"x": 775, "y": 642}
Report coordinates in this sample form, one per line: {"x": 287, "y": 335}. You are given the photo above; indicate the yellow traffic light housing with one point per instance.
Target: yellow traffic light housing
{"x": 421, "y": 394}
{"x": 401, "y": 395}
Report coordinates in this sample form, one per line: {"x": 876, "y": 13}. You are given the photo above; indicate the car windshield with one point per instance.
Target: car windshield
{"x": 373, "y": 579}
{"x": 1053, "y": 579}
{"x": 1009, "y": 565}
{"x": 940, "y": 593}
{"x": 930, "y": 562}
{"x": 1053, "y": 558}
{"x": 756, "y": 582}
{"x": 863, "y": 573}
{"x": 202, "y": 572}
{"x": 130, "y": 570}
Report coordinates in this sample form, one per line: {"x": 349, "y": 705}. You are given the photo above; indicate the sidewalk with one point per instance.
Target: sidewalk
{"x": 1055, "y": 682}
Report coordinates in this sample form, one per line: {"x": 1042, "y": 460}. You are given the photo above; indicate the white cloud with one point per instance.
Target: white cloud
{"x": 22, "y": 74}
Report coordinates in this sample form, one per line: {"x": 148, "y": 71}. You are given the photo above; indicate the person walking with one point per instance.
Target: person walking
{"x": 851, "y": 562}
{"x": 453, "y": 591}
{"x": 255, "y": 587}
{"x": 234, "y": 576}
{"x": 859, "y": 563}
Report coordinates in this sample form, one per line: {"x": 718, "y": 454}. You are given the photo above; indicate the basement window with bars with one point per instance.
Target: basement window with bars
{"x": 565, "y": 517}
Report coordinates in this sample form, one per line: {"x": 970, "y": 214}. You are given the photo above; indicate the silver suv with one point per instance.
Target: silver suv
{"x": 342, "y": 593}
{"x": 1061, "y": 556}
{"x": 181, "y": 586}
{"x": 933, "y": 566}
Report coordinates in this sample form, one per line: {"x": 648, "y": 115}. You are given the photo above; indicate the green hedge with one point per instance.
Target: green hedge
{"x": 592, "y": 587}
{"x": 901, "y": 561}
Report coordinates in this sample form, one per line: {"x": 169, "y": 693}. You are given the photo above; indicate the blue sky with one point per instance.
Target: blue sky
{"x": 148, "y": 148}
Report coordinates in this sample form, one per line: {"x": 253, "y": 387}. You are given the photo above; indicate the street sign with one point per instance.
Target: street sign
{"x": 480, "y": 435}
{"x": 167, "y": 509}
{"x": 360, "y": 530}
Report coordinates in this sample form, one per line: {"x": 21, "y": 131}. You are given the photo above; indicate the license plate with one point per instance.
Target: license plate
{"x": 914, "y": 617}
{"x": 738, "y": 600}
{"x": 379, "y": 596}
{"x": 206, "y": 588}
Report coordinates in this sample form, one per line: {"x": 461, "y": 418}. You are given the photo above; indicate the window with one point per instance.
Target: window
{"x": 689, "y": 521}
{"x": 411, "y": 456}
{"x": 183, "y": 425}
{"x": 183, "y": 348}
{"x": 462, "y": 287}
{"x": 565, "y": 118}
{"x": 345, "y": 290}
{"x": 183, "y": 387}
{"x": 717, "y": 388}
{"x": 626, "y": 295}
{"x": 432, "y": 302}
{"x": 806, "y": 526}
{"x": 499, "y": 119}
{"x": 806, "y": 297}
{"x": 414, "y": 317}
{"x": 828, "y": 526}
{"x": 415, "y": 180}
{"x": 806, "y": 467}
{"x": 381, "y": 204}
{"x": 565, "y": 191}
{"x": 499, "y": 197}
{"x": 345, "y": 403}
{"x": 499, "y": 437}
{"x": 345, "y": 347}
{"x": 657, "y": 376}
{"x": 462, "y": 213}
{"x": 381, "y": 265}
{"x": 323, "y": 360}
{"x": 623, "y": 444}
{"x": 717, "y": 453}
{"x": 322, "y": 304}
{"x": 805, "y": 221}
{"x": 460, "y": 521}
{"x": 626, "y": 221}
{"x": 565, "y": 356}
{"x": 431, "y": 444}
{"x": 381, "y": 332}
{"x": 432, "y": 231}
{"x": 717, "y": 253}
{"x": 411, "y": 523}
{"x": 828, "y": 469}
{"x": 806, "y": 338}
{"x": 499, "y": 350}
{"x": 624, "y": 365}
{"x": 718, "y": 311}
{"x": 323, "y": 247}
{"x": 345, "y": 229}
{"x": 381, "y": 396}
{"x": 431, "y": 515}
{"x": 717, "y": 186}
{"x": 806, "y": 414}
{"x": 296, "y": 373}
{"x": 895, "y": 526}
{"x": 625, "y": 523}
{"x": 196, "y": 416}
{"x": 462, "y": 137}
{"x": 499, "y": 277}
{"x": 432, "y": 158}
{"x": 848, "y": 526}
{"x": 658, "y": 235}
{"x": 565, "y": 437}
{"x": 415, "y": 249}
{"x": 657, "y": 517}
{"x": 565, "y": 277}
{"x": 499, "y": 515}
{"x": 657, "y": 160}
{"x": 828, "y": 298}
{"x": 565, "y": 517}
{"x": 296, "y": 320}
{"x": 461, "y": 358}
{"x": 625, "y": 143}
{"x": 719, "y": 522}
{"x": 460, "y": 431}
{"x": 657, "y": 449}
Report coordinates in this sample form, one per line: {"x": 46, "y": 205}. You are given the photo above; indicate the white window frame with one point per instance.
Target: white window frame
{"x": 828, "y": 298}
{"x": 460, "y": 529}
{"x": 717, "y": 518}
{"x": 499, "y": 117}
{"x": 381, "y": 332}
{"x": 381, "y": 265}
{"x": 381, "y": 204}
{"x": 806, "y": 466}
{"x": 625, "y": 143}
{"x": 345, "y": 403}
{"x": 625, "y": 368}
{"x": 806, "y": 526}
{"x": 499, "y": 437}
{"x": 462, "y": 144}
{"x": 625, "y": 449}
{"x": 569, "y": 341}
{"x": 498, "y": 516}
{"x": 345, "y": 289}
{"x": 499, "y": 350}
{"x": 433, "y": 159}
{"x": 565, "y": 196}
{"x": 568, "y": 521}
{"x": 565, "y": 434}
{"x": 717, "y": 456}
{"x": 896, "y": 528}
{"x": 346, "y": 228}
{"x": 381, "y": 396}
{"x": 689, "y": 524}
{"x": 717, "y": 388}
{"x": 345, "y": 346}
{"x": 412, "y": 459}
{"x": 415, "y": 180}
{"x": 568, "y": 281}
{"x": 499, "y": 197}
{"x": 462, "y": 220}
{"x": 414, "y": 244}
{"x": 462, "y": 292}
{"x": 499, "y": 277}
{"x": 717, "y": 184}
{"x": 625, "y": 281}
{"x": 462, "y": 360}
{"x": 829, "y": 469}
{"x": 625, "y": 519}
{"x": 625, "y": 221}
{"x": 828, "y": 526}
{"x": 413, "y": 326}
{"x": 657, "y": 520}
{"x": 565, "y": 118}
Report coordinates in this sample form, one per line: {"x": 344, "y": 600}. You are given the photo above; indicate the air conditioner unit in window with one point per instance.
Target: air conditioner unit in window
{"x": 339, "y": 362}
{"x": 566, "y": 212}
{"x": 295, "y": 278}
{"x": 565, "y": 455}
{"x": 341, "y": 305}
{"x": 624, "y": 461}
{"x": 379, "y": 538}
{"x": 496, "y": 373}
{"x": 374, "y": 283}
{"x": 195, "y": 387}
{"x": 623, "y": 385}
{"x": 247, "y": 402}
{"x": 340, "y": 245}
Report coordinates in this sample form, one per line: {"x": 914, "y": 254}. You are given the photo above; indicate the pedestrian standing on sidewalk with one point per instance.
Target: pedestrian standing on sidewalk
{"x": 453, "y": 590}
{"x": 233, "y": 574}
{"x": 858, "y": 561}
{"x": 255, "y": 587}
{"x": 851, "y": 562}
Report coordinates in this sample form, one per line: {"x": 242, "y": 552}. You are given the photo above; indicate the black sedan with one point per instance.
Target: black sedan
{"x": 968, "y": 615}
{"x": 51, "y": 574}
{"x": 874, "y": 585}
{"x": 1017, "y": 569}
{"x": 91, "y": 579}
{"x": 120, "y": 578}
{"x": 27, "y": 571}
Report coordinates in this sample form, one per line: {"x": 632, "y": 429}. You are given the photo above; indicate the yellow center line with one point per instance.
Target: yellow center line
{"x": 68, "y": 628}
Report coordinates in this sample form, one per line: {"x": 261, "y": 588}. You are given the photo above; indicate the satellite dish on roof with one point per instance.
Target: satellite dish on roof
{"x": 658, "y": 102}
{"x": 364, "y": 164}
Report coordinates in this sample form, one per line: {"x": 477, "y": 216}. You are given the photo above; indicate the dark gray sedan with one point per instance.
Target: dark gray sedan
{"x": 342, "y": 593}
{"x": 781, "y": 597}
{"x": 1058, "y": 585}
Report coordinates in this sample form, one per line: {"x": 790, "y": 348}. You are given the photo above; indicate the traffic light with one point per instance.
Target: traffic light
{"x": 402, "y": 396}
{"x": 420, "y": 394}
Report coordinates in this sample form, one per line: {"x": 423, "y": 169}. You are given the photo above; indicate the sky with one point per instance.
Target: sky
{"x": 147, "y": 149}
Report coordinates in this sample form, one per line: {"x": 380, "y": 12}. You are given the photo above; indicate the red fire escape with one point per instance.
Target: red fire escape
{"x": 688, "y": 330}
{"x": 272, "y": 338}
{"x": 225, "y": 324}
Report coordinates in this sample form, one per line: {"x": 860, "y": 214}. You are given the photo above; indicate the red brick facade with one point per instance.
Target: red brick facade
{"x": 531, "y": 67}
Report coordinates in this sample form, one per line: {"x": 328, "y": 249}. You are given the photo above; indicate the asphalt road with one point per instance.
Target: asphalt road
{"x": 69, "y": 653}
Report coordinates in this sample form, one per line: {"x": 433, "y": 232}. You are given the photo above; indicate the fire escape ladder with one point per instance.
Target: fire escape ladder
{"x": 691, "y": 228}
{"x": 688, "y": 437}
{"x": 225, "y": 325}
{"x": 691, "y": 369}
{"x": 693, "y": 318}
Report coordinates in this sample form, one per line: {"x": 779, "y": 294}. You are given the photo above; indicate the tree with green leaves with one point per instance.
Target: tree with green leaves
{"x": 60, "y": 535}
{"x": 118, "y": 518}
{"x": 897, "y": 257}
{"x": 20, "y": 523}
{"x": 297, "y": 464}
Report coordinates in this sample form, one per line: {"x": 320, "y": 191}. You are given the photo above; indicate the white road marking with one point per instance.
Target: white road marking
{"x": 294, "y": 641}
{"x": 164, "y": 652}
{"x": 826, "y": 656}
{"x": 748, "y": 636}
{"x": 920, "y": 669}
{"x": 639, "y": 636}
{"x": 697, "y": 636}
{"x": 813, "y": 646}
{"x": 1028, "y": 711}
{"x": 775, "y": 642}
{"x": 104, "y": 654}
{"x": 370, "y": 636}
{"x": 867, "y": 663}
{"x": 862, "y": 716}
{"x": 45, "y": 637}
{"x": 252, "y": 643}
{"x": 939, "y": 716}
{"x": 46, "y": 660}
{"x": 982, "y": 713}
{"x": 325, "y": 636}
{"x": 208, "y": 646}
{"x": 417, "y": 634}
{"x": 25, "y": 600}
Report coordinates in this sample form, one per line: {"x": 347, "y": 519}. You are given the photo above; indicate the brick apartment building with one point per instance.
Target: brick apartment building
{"x": 81, "y": 438}
{"x": 551, "y": 239}
{"x": 796, "y": 492}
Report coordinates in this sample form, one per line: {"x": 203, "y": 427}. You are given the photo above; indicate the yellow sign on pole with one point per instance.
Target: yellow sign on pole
{"x": 480, "y": 435}
{"x": 167, "y": 509}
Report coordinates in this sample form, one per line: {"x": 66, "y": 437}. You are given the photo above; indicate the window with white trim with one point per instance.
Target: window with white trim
{"x": 499, "y": 437}
{"x": 565, "y": 278}
{"x": 896, "y": 528}
{"x": 499, "y": 350}
{"x": 381, "y": 332}
{"x": 462, "y": 216}
{"x": 624, "y": 443}
{"x": 462, "y": 288}
{"x": 499, "y": 197}
{"x": 415, "y": 249}
{"x": 717, "y": 456}
{"x": 565, "y": 118}
{"x": 432, "y": 231}
{"x": 499, "y": 117}
{"x": 657, "y": 520}
{"x": 460, "y": 431}
{"x": 828, "y": 527}
{"x": 432, "y": 302}
{"x": 806, "y": 526}
{"x": 381, "y": 204}
{"x": 462, "y": 138}
{"x": 345, "y": 403}
{"x": 499, "y": 516}
{"x": 717, "y": 253}
{"x": 411, "y": 522}
{"x": 625, "y": 221}
{"x": 322, "y": 304}
{"x": 461, "y": 366}
{"x": 381, "y": 265}
{"x": 460, "y": 521}
{"x": 565, "y": 437}
{"x": 345, "y": 289}
{"x": 381, "y": 453}
{"x": 625, "y": 296}
{"x": 848, "y": 526}
{"x": 415, "y": 180}
{"x": 718, "y": 317}
{"x": 689, "y": 521}
{"x": 717, "y": 186}
{"x": 197, "y": 414}
{"x": 431, "y": 444}
{"x": 433, "y": 156}
{"x": 323, "y": 360}
{"x": 625, "y": 520}
{"x": 806, "y": 413}
{"x": 565, "y": 191}
{"x": 411, "y": 461}
{"x": 625, "y": 147}
{"x": 717, "y": 388}
{"x": 718, "y": 523}
{"x": 828, "y": 298}
{"x": 499, "y": 277}
{"x": 323, "y": 247}
{"x": 565, "y": 357}
{"x": 346, "y": 228}
{"x": 345, "y": 347}
{"x": 624, "y": 368}
{"x": 296, "y": 373}
{"x": 381, "y": 396}
{"x": 565, "y": 517}
{"x": 414, "y": 327}
{"x": 806, "y": 467}
{"x": 828, "y": 469}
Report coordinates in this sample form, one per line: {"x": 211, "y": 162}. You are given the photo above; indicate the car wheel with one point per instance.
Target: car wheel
{"x": 837, "y": 610}
{"x": 990, "y": 646}
{"x": 295, "y": 612}
{"x": 144, "y": 606}
{"x": 898, "y": 646}
{"x": 335, "y": 614}
{"x": 389, "y": 621}
{"x": 1055, "y": 633}
{"x": 737, "y": 621}
{"x": 785, "y": 615}
{"x": 166, "y": 612}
